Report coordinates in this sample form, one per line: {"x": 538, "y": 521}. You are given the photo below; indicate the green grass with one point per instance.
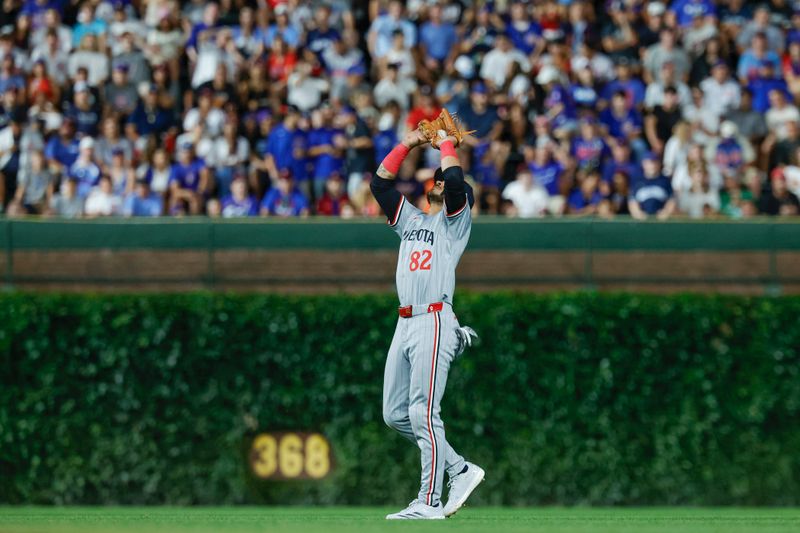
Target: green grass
{"x": 363, "y": 519}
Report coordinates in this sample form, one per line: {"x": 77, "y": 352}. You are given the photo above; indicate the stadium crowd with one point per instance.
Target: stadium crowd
{"x": 286, "y": 107}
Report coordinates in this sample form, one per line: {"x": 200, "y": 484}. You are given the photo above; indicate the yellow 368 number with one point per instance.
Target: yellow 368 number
{"x": 290, "y": 456}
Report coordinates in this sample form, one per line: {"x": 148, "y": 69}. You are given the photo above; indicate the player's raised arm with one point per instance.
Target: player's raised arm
{"x": 382, "y": 187}
{"x": 458, "y": 194}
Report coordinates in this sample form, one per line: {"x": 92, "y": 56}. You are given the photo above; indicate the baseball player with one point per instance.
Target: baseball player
{"x": 428, "y": 336}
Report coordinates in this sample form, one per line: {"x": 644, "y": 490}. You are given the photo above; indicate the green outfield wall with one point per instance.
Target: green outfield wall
{"x": 760, "y": 257}
{"x": 586, "y": 398}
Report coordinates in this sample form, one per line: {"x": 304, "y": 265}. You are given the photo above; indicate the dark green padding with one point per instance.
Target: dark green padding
{"x": 567, "y": 399}
{"x": 487, "y": 234}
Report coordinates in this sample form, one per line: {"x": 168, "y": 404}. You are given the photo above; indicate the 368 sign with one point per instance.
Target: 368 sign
{"x": 290, "y": 455}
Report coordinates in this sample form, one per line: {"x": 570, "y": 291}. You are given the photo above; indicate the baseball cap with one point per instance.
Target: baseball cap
{"x": 117, "y": 151}
{"x": 80, "y": 87}
{"x": 480, "y": 88}
{"x": 281, "y": 9}
{"x": 656, "y": 9}
{"x": 548, "y": 74}
{"x": 650, "y": 156}
{"x": 728, "y": 129}
{"x": 465, "y": 67}
{"x": 122, "y": 67}
{"x": 87, "y": 143}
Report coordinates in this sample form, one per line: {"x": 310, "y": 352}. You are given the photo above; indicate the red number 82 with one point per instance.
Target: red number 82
{"x": 424, "y": 264}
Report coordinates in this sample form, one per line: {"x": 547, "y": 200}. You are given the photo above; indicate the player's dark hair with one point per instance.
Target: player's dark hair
{"x": 438, "y": 175}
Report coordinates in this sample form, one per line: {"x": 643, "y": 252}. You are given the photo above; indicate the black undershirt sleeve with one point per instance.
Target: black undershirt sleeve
{"x": 386, "y": 194}
{"x": 456, "y": 191}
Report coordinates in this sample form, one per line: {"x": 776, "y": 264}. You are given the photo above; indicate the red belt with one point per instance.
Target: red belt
{"x": 408, "y": 311}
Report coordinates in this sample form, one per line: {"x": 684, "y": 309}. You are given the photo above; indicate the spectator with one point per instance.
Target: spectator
{"x": 305, "y": 89}
{"x": 652, "y": 195}
{"x": 760, "y": 23}
{"x": 158, "y": 174}
{"x": 34, "y": 186}
{"x": 781, "y": 152}
{"x": 326, "y": 145}
{"x": 633, "y": 88}
{"x": 284, "y": 200}
{"x": 764, "y": 83}
{"x": 142, "y": 202}
{"x": 615, "y": 201}
{"x": 584, "y": 91}
{"x": 282, "y": 29}
{"x": 133, "y": 58}
{"x": 84, "y": 110}
{"x": 92, "y": 59}
{"x": 749, "y": 122}
{"x": 586, "y": 198}
{"x": 206, "y": 115}
{"x": 392, "y": 88}
{"x": 322, "y": 36}
{"x": 779, "y": 114}
{"x": 120, "y": 173}
{"x": 654, "y": 95}
{"x": 621, "y": 162}
{"x": 149, "y": 117}
{"x": 778, "y": 200}
{"x": 238, "y": 203}
{"x": 528, "y": 198}
{"x": 676, "y": 150}
{"x": 381, "y": 32}
{"x": 120, "y": 94}
{"x": 437, "y": 39}
{"x": 110, "y": 141}
{"x": 54, "y": 57}
{"x": 62, "y": 149}
{"x": 497, "y": 63}
{"x": 588, "y": 148}
{"x": 10, "y": 140}
{"x": 228, "y": 156}
{"x": 334, "y": 201}
{"x": 558, "y": 104}
{"x": 660, "y": 122}
{"x": 620, "y": 38}
{"x": 84, "y": 170}
{"x": 622, "y": 122}
{"x": 731, "y": 153}
{"x": 344, "y": 64}
{"x": 481, "y": 116}
{"x": 791, "y": 65}
{"x": 700, "y": 199}
{"x": 359, "y": 152}
{"x": 754, "y": 58}
{"x": 67, "y": 203}
{"x": 685, "y": 11}
{"x": 189, "y": 181}
{"x": 549, "y": 174}
{"x": 102, "y": 201}
{"x": 721, "y": 93}
{"x": 666, "y": 51}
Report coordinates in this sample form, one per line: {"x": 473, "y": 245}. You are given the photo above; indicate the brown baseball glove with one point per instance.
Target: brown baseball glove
{"x": 445, "y": 125}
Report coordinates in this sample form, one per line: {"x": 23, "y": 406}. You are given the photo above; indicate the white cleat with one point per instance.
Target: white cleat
{"x": 461, "y": 486}
{"x": 417, "y": 510}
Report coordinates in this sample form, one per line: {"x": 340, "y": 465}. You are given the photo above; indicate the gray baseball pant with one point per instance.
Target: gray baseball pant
{"x": 414, "y": 380}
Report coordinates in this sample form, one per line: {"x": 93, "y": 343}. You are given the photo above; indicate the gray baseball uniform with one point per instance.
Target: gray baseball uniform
{"x": 426, "y": 341}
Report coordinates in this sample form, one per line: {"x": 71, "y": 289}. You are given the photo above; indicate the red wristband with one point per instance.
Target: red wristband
{"x": 447, "y": 149}
{"x": 395, "y": 158}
